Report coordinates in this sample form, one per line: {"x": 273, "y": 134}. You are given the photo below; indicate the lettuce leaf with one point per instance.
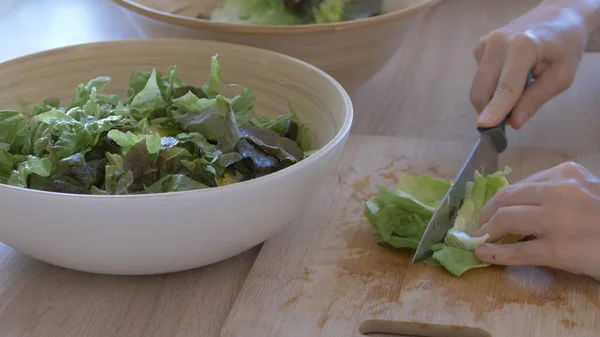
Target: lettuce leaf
{"x": 293, "y": 12}
{"x": 400, "y": 217}
{"x": 257, "y": 12}
{"x": 329, "y": 11}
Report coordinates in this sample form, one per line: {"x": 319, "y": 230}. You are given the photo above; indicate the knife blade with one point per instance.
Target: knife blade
{"x": 483, "y": 157}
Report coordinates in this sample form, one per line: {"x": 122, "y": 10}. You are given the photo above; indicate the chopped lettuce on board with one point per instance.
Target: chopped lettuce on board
{"x": 400, "y": 217}
{"x": 290, "y": 12}
{"x": 163, "y": 136}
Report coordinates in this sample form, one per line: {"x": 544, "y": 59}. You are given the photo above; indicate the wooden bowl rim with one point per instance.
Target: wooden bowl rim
{"x": 186, "y": 21}
{"x": 250, "y": 184}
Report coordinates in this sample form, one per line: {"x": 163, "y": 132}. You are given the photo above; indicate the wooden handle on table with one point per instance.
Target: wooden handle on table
{"x": 419, "y": 329}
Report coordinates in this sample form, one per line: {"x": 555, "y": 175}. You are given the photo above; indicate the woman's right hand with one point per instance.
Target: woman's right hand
{"x": 549, "y": 40}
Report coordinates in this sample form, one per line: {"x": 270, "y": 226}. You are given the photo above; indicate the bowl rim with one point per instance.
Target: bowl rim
{"x": 190, "y": 22}
{"x": 321, "y": 152}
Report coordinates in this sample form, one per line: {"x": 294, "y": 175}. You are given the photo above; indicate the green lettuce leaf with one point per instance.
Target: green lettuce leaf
{"x": 7, "y": 165}
{"x": 174, "y": 183}
{"x": 212, "y": 87}
{"x": 84, "y": 92}
{"x": 148, "y": 100}
{"x": 293, "y": 12}
{"x": 257, "y": 12}
{"x": 14, "y": 131}
{"x": 190, "y": 103}
{"x": 400, "y": 217}
{"x": 33, "y": 165}
{"x": 330, "y": 11}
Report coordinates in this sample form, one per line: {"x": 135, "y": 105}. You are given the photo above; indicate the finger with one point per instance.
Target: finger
{"x": 545, "y": 87}
{"x": 517, "y": 220}
{"x": 527, "y": 194}
{"x": 539, "y": 69}
{"x": 541, "y": 176}
{"x": 487, "y": 75}
{"x": 529, "y": 253}
{"x": 510, "y": 86}
{"x": 561, "y": 172}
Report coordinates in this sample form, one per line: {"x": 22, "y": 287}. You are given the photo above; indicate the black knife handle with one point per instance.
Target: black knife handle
{"x": 498, "y": 132}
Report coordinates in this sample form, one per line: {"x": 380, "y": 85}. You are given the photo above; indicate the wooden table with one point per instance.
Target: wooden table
{"x": 422, "y": 93}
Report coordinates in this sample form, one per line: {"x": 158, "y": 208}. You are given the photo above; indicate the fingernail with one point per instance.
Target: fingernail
{"x": 486, "y": 118}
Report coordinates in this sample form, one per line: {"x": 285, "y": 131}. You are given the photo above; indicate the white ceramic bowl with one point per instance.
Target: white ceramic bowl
{"x": 150, "y": 234}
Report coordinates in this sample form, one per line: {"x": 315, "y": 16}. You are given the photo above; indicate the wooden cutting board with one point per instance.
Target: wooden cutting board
{"x": 326, "y": 275}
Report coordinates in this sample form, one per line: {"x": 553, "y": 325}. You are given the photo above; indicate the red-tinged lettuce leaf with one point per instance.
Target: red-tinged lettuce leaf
{"x": 73, "y": 175}
{"x": 104, "y": 145}
{"x": 231, "y": 136}
{"x": 257, "y": 163}
{"x": 174, "y": 183}
{"x": 208, "y": 123}
{"x": 302, "y": 9}
{"x": 284, "y": 149}
{"x": 138, "y": 160}
{"x": 228, "y": 159}
{"x": 181, "y": 91}
{"x": 287, "y": 126}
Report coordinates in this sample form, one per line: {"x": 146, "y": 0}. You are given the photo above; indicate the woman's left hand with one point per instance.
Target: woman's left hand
{"x": 560, "y": 207}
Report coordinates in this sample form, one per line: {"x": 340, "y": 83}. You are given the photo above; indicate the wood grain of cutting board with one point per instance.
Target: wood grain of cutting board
{"x": 326, "y": 274}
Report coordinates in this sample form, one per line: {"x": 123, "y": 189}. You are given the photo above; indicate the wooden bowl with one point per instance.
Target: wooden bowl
{"x": 352, "y": 52}
{"x": 158, "y": 233}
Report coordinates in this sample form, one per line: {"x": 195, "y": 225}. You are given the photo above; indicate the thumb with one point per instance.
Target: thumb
{"x": 528, "y": 253}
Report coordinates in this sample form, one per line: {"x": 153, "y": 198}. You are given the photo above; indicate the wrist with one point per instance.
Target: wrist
{"x": 587, "y": 10}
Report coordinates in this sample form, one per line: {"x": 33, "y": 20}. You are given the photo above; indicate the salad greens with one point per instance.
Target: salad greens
{"x": 291, "y": 12}
{"x": 164, "y": 136}
{"x": 400, "y": 217}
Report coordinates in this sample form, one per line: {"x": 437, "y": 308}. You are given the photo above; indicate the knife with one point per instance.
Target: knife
{"x": 483, "y": 157}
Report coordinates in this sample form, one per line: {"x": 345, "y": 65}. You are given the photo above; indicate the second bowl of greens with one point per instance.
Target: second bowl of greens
{"x": 349, "y": 39}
